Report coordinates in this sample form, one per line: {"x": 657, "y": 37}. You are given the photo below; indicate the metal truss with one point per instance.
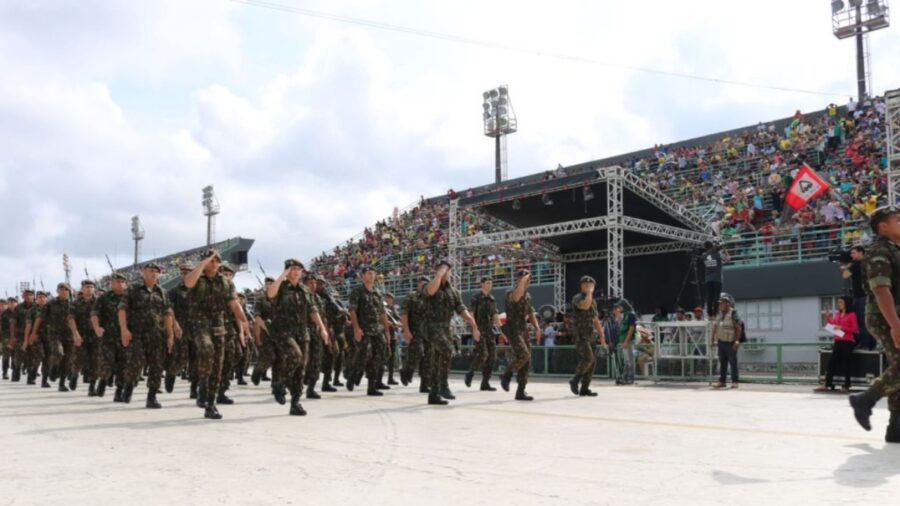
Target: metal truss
{"x": 559, "y": 285}
{"x": 615, "y": 232}
{"x": 453, "y": 250}
{"x": 630, "y": 251}
{"x": 550, "y": 250}
{"x": 664, "y": 202}
{"x": 665, "y": 231}
{"x": 532, "y": 233}
{"x": 892, "y": 122}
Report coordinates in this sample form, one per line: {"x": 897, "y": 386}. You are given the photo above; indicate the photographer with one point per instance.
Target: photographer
{"x": 713, "y": 260}
{"x": 852, "y": 270}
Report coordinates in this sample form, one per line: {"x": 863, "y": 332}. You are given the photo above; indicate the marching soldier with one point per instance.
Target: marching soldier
{"x": 246, "y": 348}
{"x": 80, "y": 327}
{"x": 394, "y": 342}
{"x": 519, "y": 312}
{"x": 6, "y": 339}
{"x": 111, "y": 354}
{"x": 316, "y": 341}
{"x": 370, "y": 331}
{"x": 441, "y": 301}
{"x": 233, "y": 344}
{"x": 176, "y": 361}
{"x": 585, "y": 319}
{"x": 484, "y": 310}
{"x": 35, "y": 350}
{"x": 882, "y": 274}
{"x": 336, "y": 319}
{"x": 418, "y": 349}
{"x": 59, "y": 342}
{"x": 17, "y": 331}
{"x": 148, "y": 334}
{"x": 262, "y": 321}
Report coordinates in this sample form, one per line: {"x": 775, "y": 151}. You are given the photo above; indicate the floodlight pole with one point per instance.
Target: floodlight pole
{"x": 498, "y": 174}
{"x": 860, "y": 57}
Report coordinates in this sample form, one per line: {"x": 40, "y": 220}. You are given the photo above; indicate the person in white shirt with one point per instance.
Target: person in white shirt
{"x": 549, "y": 335}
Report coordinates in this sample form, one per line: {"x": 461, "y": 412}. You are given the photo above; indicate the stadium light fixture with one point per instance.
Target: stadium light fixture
{"x": 499, "y": 120}
{"x": 853, "y": 21}
{"x": 137, "y": 235}
{"x": 837, "y": 6}
{"x": 210, "y": 210}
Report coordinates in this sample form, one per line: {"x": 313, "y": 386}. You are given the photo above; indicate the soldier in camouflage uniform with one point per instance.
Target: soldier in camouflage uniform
{"x": 519, "y": 312}
{"x": 484, "y": 309}
{"x": 148, "y": 332}
{"x": 441, "y": 301}
{"x": 247, "y": 349}
{"x": 5, "y": 347}
{"x": 80, "y": 327}
{"x": 36, "y": 355}
{"x": 336, "y": 320}
{"x": 293, "y": 312}
{"x": 418, "y": 351}
{"x": 316, "y": 343}
{"x": 394, "y": 344}
{"x": 18, "y": 329}
{"x": 59, "y": 343}
{"x": 370, "y": 331}
{"x": 233, "y": 344}
{"x": 111, "y": 354}
{"x": 176, "y": 361}
{"x": 211, "y": 295}
{"x": 882, "y": 275}
{"x": 584, "y": 320}
{"x": 262, "y": 322}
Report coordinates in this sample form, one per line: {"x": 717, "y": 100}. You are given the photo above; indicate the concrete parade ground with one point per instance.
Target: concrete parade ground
{"x": 659, "y": 445}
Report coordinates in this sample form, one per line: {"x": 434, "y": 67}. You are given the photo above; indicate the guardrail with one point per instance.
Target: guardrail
{"x": 804, "y": 245}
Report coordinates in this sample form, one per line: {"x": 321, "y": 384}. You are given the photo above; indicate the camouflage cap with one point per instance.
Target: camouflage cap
{"x": 445, "y": 261}
{"x": 366, "y": 268}
{"x": 424, "y": 279}
{"x": 87, "y": 282}
{"x": 12, "y": 299}
{"x": 726, "y": 298}
{"x": 320, "y": 278}
{"x": 227, "y": 267}
{"x": 186, "y": 268}
{"x": 119, "y": 275}
{"x": 211, "y": 253}
{"x": 293, "y": 262}
{"x": 485, "y": 279}
{"x": 64, "y": 286}
{"x": 269, "y": 280}
{"x": 880, "y": 215}
{"x": 41, "y": 293}
{"x": 588, "y": 279}
{"x": 153, "y": 265}
{"x": 389, "y": 294}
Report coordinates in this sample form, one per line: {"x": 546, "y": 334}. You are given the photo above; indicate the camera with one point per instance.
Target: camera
{"x": 839, "y": 256}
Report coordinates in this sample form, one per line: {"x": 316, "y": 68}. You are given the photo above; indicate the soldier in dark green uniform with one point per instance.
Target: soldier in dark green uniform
{"x": 233, "y": 344}
{"x": 394, "y": 343}
{"x": 246, "y": 349}
{"x": 293, "y": 312}
{"x": 148, "y": 332}
{"x": 20, "y": 324}
{"x": 177, "y": 360}
{"x": 418, "y": 354}
{"x": 370, "y": 331}
{"x": 484, "y": 359}
{"x": 882, "y": 275}
{"x": 583, "y": 321}
{"x": 59, "y": 343}
{"x": 6, "y": 340}
{"x": 336, "y": 320}
{"x": 262, "y": 322}
{"x": 211, "y": 294}
{"x": 105, "y": 320}
{"x": 80, "y": 326}
{"x": 317, "y": 342}
{"x": 441, "y": 301}
{"x": 520, "y": 312}
{"x": 35, "y": 346}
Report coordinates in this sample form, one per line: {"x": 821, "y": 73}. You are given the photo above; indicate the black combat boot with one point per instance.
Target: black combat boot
{"x": 62, "y": 385}
{"x": 373, "y": 389}
{"x": 573, "y": 385}
{"x": 423, "y": 386}
{"x": 296, "y": 408}
{"x": 326, "y": 383}
{"x": 101, "y": 388}
{"x": 469, "y": 377}
{"x": 32, "y": 376}
{"x": 54, "y": 372}
{"x": 381, "y": 385}
{"x": 391, "y": 380}
{"x": 336, "y": 380}
{"x": 240, "y": 378}
{"x": 265, "y": 376}
{"x": 193, "y": 394}
{"x": 505, "y": 378}
{"x": 126, "y": 393}
{"x": 256, "y": 376}
{"x": 862, "y": 404}
{"x": 151, "y": 400}
{"x": 446, "y": 393}
{"x": 170, "y": 382}
{"x": 5, "y": 367}
{"x": 486, "y": 385}
{"x": 521, "y": 395}
{"x": 73, "y": 382}
{"x": 892, "y": 435}
{"x": 434, "y": 397}
{"x": 211, "y": 411}
{"x": 201, "y": 393}
{"x": 280, "y": 394}
{"x": 586, "y": 389}
{"x": 118, "y": 395}
{"x": 92, "y": 389}
{"x": 224, "y": 399}
{"x": 311, "y": 391}
{"x": 45, "y": 381}
{"x": 16, "y": 375}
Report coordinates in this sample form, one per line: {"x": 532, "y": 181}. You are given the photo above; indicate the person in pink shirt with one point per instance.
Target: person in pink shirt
{"x": 842, "y": 353}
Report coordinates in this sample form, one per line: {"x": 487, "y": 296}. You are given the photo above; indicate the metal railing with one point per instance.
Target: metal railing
{"x": 804, "y": 245}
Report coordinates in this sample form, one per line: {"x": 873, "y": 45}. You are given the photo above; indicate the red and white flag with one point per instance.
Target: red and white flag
{"x": 806, "y": 186}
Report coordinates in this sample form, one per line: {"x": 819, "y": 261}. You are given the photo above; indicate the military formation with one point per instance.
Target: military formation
{"x": 199, "y": 332}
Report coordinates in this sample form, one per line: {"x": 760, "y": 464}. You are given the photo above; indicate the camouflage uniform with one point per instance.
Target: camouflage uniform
{"x": 35, "y": 355}
{"x": 209, "y": 300}
{"x": 484, "y": 309}
{"x": 21, "y": 356}
{"x": 370, "y": 352}
{"x": 111, "y": 355}
{"x": 177, "y": 361}
{"x": 517, "y": 333}
{"x": 336, "y": 320}
{"x": 316, "y": 347}
{"x": 419, "y": 350}
{"x": 86, "y": 356}
{"x": 392, "y": 346}
{"x": 882, "y": 268}
{"x": 243, "y": 353}
{"x": 266, "y": 357}
{"x": 5, "y": 340}
{"x": 146, "y": 309}
{"x": 439, "y": 309}
{"x": 59, "y": 350}
{"x": 581, "y": 323}
{"x": 293, "y": 308}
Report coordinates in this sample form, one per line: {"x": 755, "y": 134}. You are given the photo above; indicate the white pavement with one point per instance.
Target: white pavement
{"x": 630, "y": 445}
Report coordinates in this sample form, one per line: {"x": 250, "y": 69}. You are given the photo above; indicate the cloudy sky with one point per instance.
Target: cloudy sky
{"x": 312, "y": 128}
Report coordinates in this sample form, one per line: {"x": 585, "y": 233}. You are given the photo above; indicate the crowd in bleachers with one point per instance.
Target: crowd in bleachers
{"x": 738, "y": 183}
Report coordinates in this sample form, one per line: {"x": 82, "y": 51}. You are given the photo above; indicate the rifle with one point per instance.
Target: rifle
{"x": 261, "y": 284}
{"x": 261, "y": 269}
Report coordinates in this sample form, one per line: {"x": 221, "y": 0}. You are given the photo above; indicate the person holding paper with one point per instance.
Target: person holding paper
{"x": 844, "y": 326}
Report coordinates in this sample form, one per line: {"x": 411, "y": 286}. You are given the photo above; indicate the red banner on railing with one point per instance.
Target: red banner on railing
{"x": 806, "y": 186}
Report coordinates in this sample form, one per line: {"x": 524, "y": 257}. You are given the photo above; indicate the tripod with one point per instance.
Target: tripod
{"x": 690, "y": 276}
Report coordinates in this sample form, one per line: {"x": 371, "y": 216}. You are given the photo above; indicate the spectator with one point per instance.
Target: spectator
{"x": 661, "y": 315}
{"x": 627, "y": 324}
{"x": 549, "y": 334}
{"x": 845, "y": 322}
{"x": 712, "y": 262}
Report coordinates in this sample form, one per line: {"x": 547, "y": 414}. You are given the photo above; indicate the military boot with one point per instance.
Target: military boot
{"x": 45, "y": 382}
{"x": 32, "y": 376}
{"x": 256, "y": 376}
{"x": 521, "y": 395}
{"x": 892, "y": 435}
{"x": 151, "y": 400}
{"x": 373, "y": 389}
{"x": 126, "y": 393}
{"x": 311, "y": 390}
{"x": 101, "y": 388}
{"x": 92, "y": 389}
{"x": 434, "y": 397}
{"x": 117, "y": 397}
{"x": 5, "y": 367}
{"x": 296, "y": 408}
{"x": 573, "y": 385}
{"x": 586, "y": 390}
{"x": 211, "y": 411}
{"x": 446, "y": 393}
{"x": 16, "y": 375}
{"x": 62, "y": 384}
{"x": 326, "y": 383}
{"x": 505, "y": 378}
{"x": 170, "y": 382}
{"x": 73, "y": 382}
{"x": 224, "y": 399}
{"x": 469, "y": 377}
{"x": 862, "y": 404}
{"x": 201, "y": 393}
{"x": 486, "y": 385}
{"x": 336, "y": 379}
{"x": 423, "y": 386}
{"x": 351, "y": 381}
{"x": 193, "y": 394}
{"x": 280, "y": 394}
{"x": 54, "y": 372}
